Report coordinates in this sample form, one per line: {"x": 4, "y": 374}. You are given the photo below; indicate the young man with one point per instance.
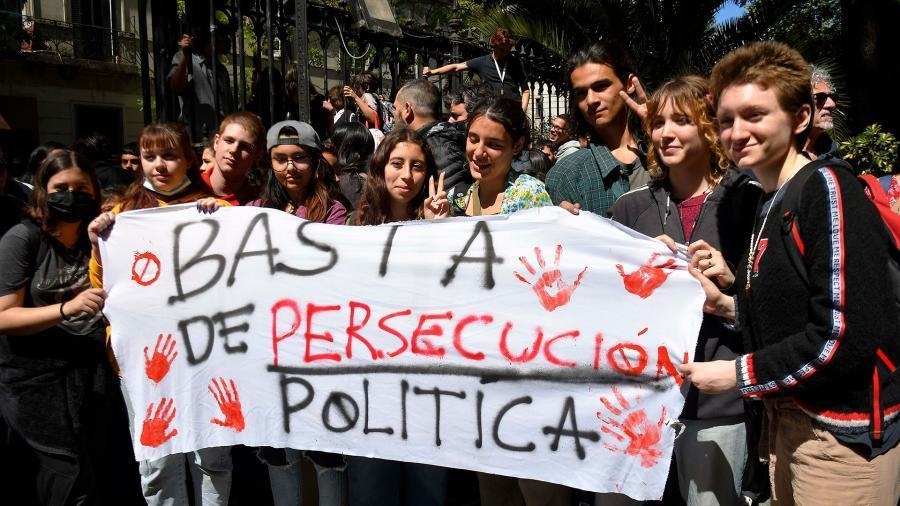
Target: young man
{"x": 822, "y": 333}
{"x": 502, "y": 71}
{"x": 130, "y": 159}
{"x": 820, "y": 145}
{"x": 602, "y": 76}
{"x": 562, "y": 135}
{"x": 238, "y": 145}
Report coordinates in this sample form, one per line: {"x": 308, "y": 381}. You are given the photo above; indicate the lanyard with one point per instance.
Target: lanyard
{"x": 501, "y": 74}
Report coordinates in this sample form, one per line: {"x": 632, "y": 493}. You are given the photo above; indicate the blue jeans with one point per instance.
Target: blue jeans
{"x": 287, "y": 486}
{"x": 164, "y": 480}
{"x": 378, "y": 482}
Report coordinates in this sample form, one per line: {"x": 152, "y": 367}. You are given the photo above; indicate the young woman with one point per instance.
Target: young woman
{"x": 822, "y": 333}
{"x": 295, "y": 184}
{"x": 395, "y": 191}
{"x": 498, "y": 131}
{"x": 169, "y": 176}
{"x": 58, "y": 392}
{"x": 694, "y": 198}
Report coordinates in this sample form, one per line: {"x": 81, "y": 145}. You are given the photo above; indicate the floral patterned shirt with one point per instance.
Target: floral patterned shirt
{"x": 522, "y": 192}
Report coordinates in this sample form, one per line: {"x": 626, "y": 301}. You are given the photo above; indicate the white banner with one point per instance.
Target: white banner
{"x": 540, "y": 345}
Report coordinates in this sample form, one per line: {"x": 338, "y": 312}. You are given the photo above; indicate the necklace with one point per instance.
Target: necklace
{"x": 757, "y": 234}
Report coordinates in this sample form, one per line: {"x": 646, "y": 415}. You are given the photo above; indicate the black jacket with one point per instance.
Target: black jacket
{"x": 448, "y": 145}
{"x": 830, "y": 344}
{"x": 725, "y": 222}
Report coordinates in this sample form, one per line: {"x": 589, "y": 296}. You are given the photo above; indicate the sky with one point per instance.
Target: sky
{"x": 729, "y": 11}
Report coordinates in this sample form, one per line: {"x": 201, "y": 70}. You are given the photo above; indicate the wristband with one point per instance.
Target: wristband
{"x": 61, "y": 314}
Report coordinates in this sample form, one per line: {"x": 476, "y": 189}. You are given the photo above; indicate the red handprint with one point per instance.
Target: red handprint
{"x": 641, "y": 435}
{"x": 154, "y": 432}
{"x": 163, "y": 355}
{"x": 647, "y": 278}
{"x": 552, "y": 292}
{"x": 229, "y": 404}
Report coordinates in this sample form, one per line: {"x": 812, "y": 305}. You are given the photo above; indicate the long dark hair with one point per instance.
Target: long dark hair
{"x": 355, "y": 146}
{"x": 316, "y": 194}
{"x": 57, "y": 161}
{"x": 160, "y": 136}
{"x": 375, "y": 203}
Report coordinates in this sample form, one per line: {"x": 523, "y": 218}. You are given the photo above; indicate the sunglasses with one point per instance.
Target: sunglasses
{"x": 823, "y": 97}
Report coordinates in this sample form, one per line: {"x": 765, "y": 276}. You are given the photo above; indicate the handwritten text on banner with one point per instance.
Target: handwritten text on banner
{"x": 540, "y": 345}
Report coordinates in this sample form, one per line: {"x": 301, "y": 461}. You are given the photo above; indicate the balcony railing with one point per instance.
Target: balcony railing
{"x": 77, "y": 41}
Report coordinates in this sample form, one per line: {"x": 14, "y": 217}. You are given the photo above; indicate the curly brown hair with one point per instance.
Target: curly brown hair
{"x": 689, "y": 94}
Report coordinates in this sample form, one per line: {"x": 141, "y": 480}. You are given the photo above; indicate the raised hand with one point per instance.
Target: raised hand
{"x": 633, "y": 432}
{"x": 552, "y": 292}
{"x": 226, "y": 396}
{"x": 154, "y": 432}
{"x": 647, "y": 278}
{"x": 426, "y": 71}
{"x": 711, "y": 263}
{"x": 640, "y": 106}
{"x": 436, "y": 205}
{"x": 164, "y": 354}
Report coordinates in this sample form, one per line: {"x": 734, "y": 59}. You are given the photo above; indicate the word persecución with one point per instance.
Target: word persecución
{"x": 463, "y": 343}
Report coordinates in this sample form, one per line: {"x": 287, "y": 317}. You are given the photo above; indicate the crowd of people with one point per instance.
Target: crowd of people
{"x": 793, "y": 393}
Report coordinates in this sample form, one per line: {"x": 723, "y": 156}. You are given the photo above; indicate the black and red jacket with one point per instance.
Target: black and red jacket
{"x": 832, "y": 345}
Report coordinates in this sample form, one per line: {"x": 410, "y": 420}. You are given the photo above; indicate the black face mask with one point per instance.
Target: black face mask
{"x": 71, "y": 206}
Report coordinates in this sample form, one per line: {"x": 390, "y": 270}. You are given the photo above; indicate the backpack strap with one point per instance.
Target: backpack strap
{"x": 790, "y": 202}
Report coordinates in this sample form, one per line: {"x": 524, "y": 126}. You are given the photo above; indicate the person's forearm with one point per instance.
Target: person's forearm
{"x": 526, "y": 98}
{"x": 179, "y": 78}
{"x": 22, "y": 321}
{"x": 725, "y": 307}
{"x": 368, "y": 113}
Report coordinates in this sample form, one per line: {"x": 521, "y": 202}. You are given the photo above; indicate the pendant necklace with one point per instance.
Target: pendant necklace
{"x": 757, "y": 234}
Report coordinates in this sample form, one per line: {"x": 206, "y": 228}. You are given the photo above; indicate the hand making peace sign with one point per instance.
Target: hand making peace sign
{"x": 436, "y": 205}
{"x": 639, "y": 106}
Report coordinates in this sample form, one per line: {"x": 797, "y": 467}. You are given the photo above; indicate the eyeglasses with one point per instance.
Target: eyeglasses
{"x": 823, "y": 97}
{"x": 555, "y": 128}
{"x": 279, "y": 163}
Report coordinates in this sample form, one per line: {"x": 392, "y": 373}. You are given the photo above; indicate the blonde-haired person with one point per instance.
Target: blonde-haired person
{"x": 169, "y": 176}
{"x": 822, "y": 332}
{"x": 695, "y": 198}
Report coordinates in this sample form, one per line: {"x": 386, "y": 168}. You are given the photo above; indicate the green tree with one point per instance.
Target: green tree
{"x": 666, "y": 37}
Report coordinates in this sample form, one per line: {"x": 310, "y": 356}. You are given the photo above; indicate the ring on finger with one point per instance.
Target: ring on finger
{"x": 709, "y": 256}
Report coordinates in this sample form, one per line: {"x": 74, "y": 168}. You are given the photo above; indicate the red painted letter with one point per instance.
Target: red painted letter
{"x": 353, "y": 329}
{"x": 527, "y": 354}
{"x": 383, "y": 326}
{"x": 312, "y": 309}
{"x": 457, "y": 335}
{"x": 664, "y": 362}
{"x": 553, "y": 359}
{"x": 276, "y": 337}
{"x": 628, "y": 368}
{"x": 435, "y": 330}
